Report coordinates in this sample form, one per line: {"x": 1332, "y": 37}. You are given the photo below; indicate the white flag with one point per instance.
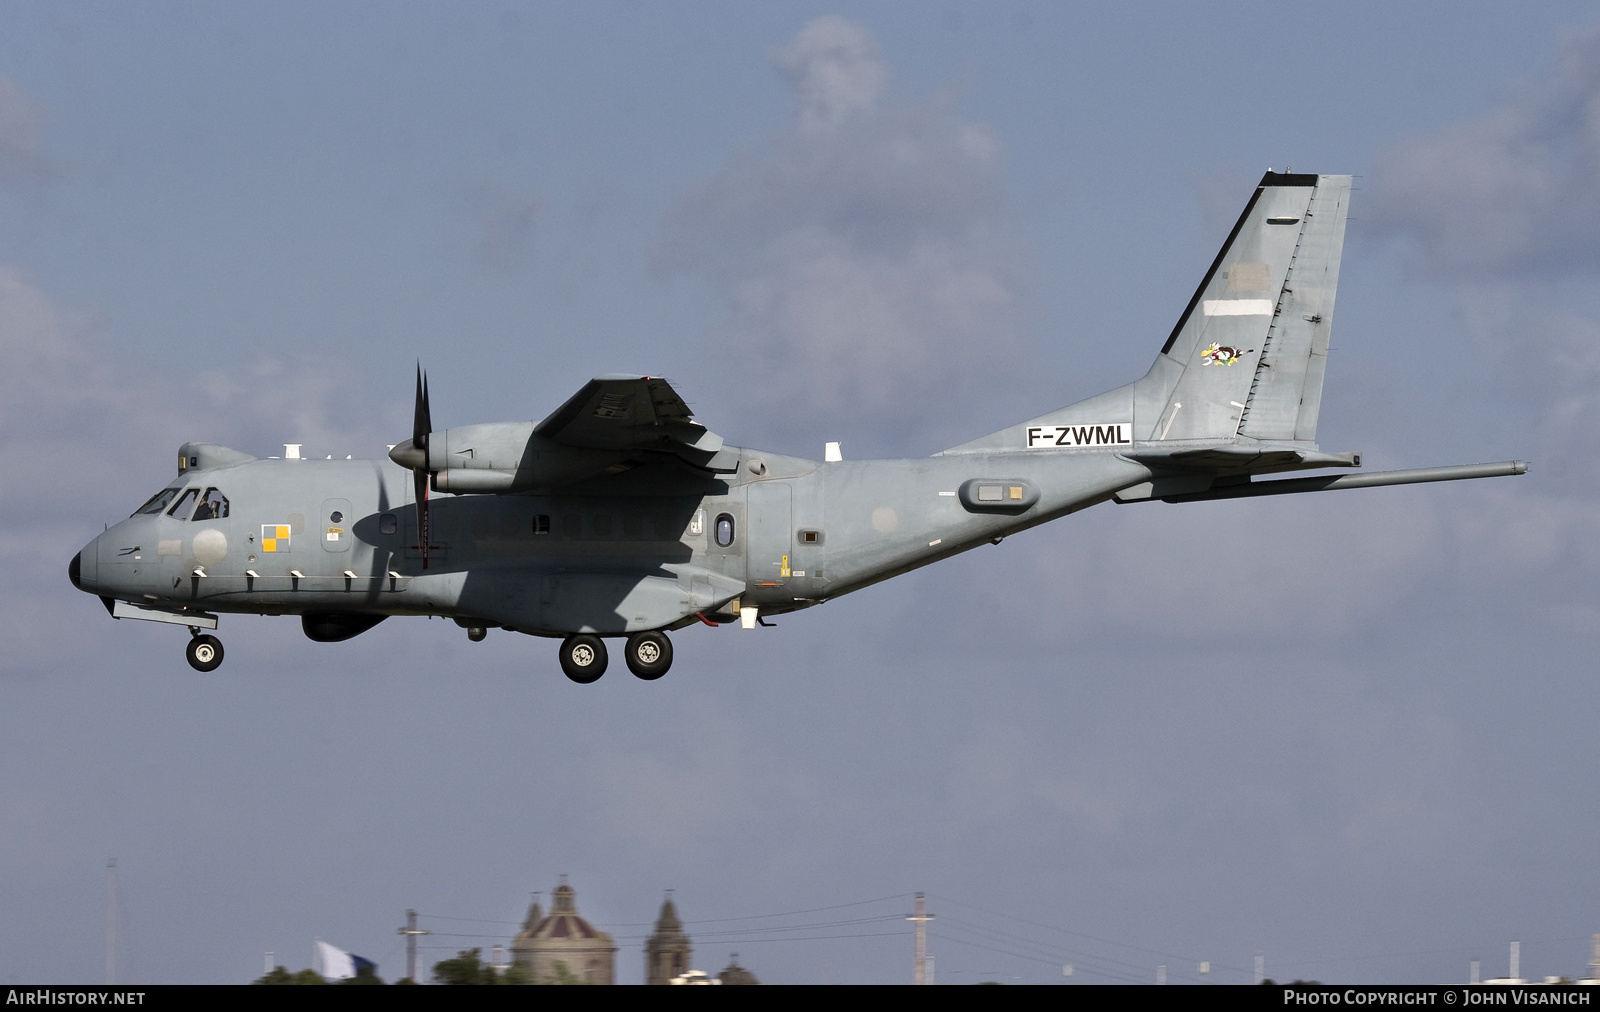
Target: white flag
{"x": 338, "y": 964}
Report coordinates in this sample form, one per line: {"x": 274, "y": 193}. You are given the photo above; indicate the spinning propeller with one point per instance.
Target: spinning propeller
{"x": 414, "y": 455}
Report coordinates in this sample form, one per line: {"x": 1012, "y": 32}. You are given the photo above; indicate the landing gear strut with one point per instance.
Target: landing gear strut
{"x": 649, "y": 654}
{"x": 204, "y": 652}
{"x": 583, "y": 657}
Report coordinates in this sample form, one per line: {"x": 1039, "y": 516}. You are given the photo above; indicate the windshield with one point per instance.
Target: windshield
{"x": 157, "y": 503}
{"x": 213, "y": 506}
{"x": 185, "y": 505}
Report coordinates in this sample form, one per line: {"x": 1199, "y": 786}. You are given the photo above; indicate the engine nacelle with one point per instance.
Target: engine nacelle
{"x": 502, "y": 457}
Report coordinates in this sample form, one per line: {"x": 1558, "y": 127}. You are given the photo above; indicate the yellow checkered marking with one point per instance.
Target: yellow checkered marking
{"x": 274, "y": 537}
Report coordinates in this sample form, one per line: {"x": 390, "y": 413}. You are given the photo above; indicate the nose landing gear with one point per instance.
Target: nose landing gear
{"x": 204, "y": 652}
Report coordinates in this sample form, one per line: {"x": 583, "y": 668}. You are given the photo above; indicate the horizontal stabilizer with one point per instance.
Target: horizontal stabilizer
{"x": 1255, "y": 458}
{"x": 1150, "y": 491}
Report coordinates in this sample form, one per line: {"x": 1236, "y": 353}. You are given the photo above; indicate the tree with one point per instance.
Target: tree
{"x": 466, "y": 968}
{"x": 364, "y": 975}
{"x": 279, "y": 975}
{"x": 560, "y": 974}
{"x": 469, "y": 968}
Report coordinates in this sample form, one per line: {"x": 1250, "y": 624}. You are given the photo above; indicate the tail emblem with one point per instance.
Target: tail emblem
{"x": 1221, "y": 354}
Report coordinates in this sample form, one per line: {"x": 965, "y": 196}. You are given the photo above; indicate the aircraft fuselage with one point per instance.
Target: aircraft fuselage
{"x": 612, "y": 555}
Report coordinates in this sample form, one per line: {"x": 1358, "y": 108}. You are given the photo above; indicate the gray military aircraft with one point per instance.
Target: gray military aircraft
{"x": 621, "y": 516}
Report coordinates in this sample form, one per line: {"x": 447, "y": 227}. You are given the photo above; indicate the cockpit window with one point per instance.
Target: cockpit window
{"x": 185, "y": 504}
{"x": 157, "y": 503}
{"x": 213, "y": 506}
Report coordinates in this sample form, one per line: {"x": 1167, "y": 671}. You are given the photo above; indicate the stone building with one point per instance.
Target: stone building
{"x": 667, "y": 950}
{"x": 564, "y": 937}
{"x": 736, "y": 974}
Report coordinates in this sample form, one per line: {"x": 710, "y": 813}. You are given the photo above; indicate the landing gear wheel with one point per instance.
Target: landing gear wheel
{"x": 476, "y": 633}
{"x": 204, "y": 653}
{"x": 583, "y": 658}
{"x": 649, "y": 654}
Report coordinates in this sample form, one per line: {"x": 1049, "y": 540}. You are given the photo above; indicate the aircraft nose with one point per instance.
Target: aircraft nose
{"x": 84, "y": 569}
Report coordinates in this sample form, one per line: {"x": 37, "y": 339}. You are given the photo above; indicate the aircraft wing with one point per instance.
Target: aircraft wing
{"x": 634, "y": 413}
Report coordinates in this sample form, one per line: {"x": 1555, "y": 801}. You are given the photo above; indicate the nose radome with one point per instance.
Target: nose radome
{"x": 75, "y": 569}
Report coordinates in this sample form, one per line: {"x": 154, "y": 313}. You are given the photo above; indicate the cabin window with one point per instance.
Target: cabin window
{"x": 724, "y": 530}
{"x": 157, "y": 503}
{"x": 213, "y": 506}
{"x": 811, "y": 537}
{"x": 572, "y": 526}
{"x": 541, "y": 523}
{"x": 185, "y": 504}
{"x": 388, "y": 523}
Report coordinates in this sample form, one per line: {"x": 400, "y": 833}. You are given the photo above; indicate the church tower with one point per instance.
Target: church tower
{"x": 667, "y": 951}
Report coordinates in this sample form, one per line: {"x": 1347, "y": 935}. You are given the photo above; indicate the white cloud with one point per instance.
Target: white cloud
{"x": 867, "y": 254}
{"x": 1514, "y": 190}
{"x": 836, "y": 71}
{"x": 23, "y": 160}
{"x": 88, "y": 431}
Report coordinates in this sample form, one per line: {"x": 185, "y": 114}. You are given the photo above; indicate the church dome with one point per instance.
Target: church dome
{"x": 564, "y": 936}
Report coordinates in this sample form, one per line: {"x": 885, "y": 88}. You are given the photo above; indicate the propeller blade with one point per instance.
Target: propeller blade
{"x": 422, "y": 418}
{"x": 421, "y": 426}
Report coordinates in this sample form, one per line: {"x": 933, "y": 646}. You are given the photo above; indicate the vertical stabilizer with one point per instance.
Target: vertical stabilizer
{"x": 1245, "y": 360}
{"x": 1246, "y": 357}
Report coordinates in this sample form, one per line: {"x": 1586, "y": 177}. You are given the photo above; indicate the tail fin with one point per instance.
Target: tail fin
{"x": 1246, "y": 357}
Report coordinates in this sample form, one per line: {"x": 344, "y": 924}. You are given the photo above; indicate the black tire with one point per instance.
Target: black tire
{"x": 583, "y": 658}
{"x": 204, "y": 653}
{"x": 476, "y": 633}
{"x": 649, "y": 654}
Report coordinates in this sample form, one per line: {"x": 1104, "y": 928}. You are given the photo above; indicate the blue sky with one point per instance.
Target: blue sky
{"x": 1352, "y": 733}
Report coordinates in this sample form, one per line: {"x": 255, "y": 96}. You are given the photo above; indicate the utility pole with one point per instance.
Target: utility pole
{"x": 921, "y": 919}
{"x": 411, "y": 932}
{"x": 111, "y": 921}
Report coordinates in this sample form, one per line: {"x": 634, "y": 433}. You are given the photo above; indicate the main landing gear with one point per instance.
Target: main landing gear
{"x": 649, "y": 654}
{"x": 583, "y": 656}
{"x": 204, "y": 652}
